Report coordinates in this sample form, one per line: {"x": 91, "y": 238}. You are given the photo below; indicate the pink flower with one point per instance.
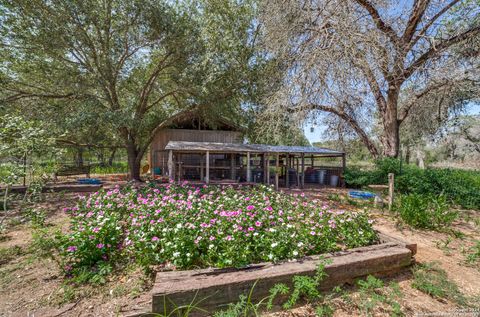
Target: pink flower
{"x": 96, "y": 229}
{"x": 100, "y": 245}
{"x": 251, "y": 229}
{"x": 312, "y": 233}
{"x": 228, "y": 238}
{"x": 212, "y": 238}
{"x": 72, "y": 248}
{"x": 155, "y": 239}
{"x": 258, "y": 223}
{"x": 250, "y": 207}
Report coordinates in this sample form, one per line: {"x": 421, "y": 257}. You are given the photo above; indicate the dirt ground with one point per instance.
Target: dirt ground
{"x": 30, "y": 284}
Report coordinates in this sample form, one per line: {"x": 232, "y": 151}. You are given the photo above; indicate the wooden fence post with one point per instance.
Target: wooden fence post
{"x": 391, "y": 183}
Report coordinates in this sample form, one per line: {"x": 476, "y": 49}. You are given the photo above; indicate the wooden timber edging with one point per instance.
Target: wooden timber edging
{"x": 213, "y": 289}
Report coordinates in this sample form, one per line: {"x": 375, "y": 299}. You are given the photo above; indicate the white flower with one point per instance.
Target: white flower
{"x": 188, "y": 255}
{"x": 270, "y": 256}
{"x": 300, "y": 244}
{"x": 295, "y": 253}
{"x": 274, "y": 244}
{"x": 211, "y": 246}
{"x": 176, "y": 254}
{"x": 179, "y": 225}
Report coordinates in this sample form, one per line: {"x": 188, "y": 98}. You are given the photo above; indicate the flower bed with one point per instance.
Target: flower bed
{"x": 201, "y": 227}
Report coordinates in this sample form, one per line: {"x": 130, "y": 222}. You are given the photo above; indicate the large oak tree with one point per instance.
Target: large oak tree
{"x": 139, "y": 64}
{"x": 371, "y": 62}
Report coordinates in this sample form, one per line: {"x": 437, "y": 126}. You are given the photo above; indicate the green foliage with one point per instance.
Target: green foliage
{"x": 426, "y": 211}
{"x": 244, "y": 307}
{"x": 473, "y": 254}
{"x": 36, "y": 216}
{"x": 115, "y": 168}
{"x": 460, "y": 187}
{"x": 373, "y": 292}
{"x": 306, "y": 287}
{"x": 432, "y": 280}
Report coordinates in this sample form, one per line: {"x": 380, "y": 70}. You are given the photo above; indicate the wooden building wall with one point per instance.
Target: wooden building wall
{"x": 158, "y": 156}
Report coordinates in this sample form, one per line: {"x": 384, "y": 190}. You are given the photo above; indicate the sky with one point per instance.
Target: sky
{"x": 318, "y": 131}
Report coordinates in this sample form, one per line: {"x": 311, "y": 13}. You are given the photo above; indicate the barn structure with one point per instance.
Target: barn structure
{"x": 216, "y": 153}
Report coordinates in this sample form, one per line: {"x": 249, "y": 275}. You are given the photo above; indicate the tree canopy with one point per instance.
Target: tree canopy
{"x": 130, "y": 67}
{"x": 372, "y": 62}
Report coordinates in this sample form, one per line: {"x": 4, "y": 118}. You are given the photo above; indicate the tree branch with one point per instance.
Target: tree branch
{"x": 418, "y": 11}
{"x": 438, "y": 48}
{"x": 425, "y": 28}
{"x": 381, "y": 25}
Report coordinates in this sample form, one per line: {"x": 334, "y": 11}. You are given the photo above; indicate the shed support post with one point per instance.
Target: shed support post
{"x": 179, "y": 167}
{"x": 298, "y": 172}
{"x": 170, "y": 165}
{"x": 344, "y": 167}
{"x": 277, "y": 159}
{"x": 201, "y": 168}
{"x": 391, "y": 182}
{"x": 303, "y": 170}
{"x": 207, "y": 164}
{"x": 287, "y": 165}
{"x": 267, "y": 168}
{"x": 232, "y": 166}
{"x": 249, "y": 172}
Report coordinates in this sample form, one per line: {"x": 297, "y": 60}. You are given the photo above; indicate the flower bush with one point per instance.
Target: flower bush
{"x": 208, "y": 226}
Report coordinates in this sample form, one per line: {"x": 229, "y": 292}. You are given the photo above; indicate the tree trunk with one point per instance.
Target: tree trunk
{"x": 407, "y": 154}
{"x": 134, "y": 161}
{"x": 112, "y": 157}
{"x": 391, "y": 127}
{"x": 79, "y": 157}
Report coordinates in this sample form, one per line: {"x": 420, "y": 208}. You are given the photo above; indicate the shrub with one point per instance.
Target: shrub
{"x": 208, "y": 226}
{"x": 426, "y": 211}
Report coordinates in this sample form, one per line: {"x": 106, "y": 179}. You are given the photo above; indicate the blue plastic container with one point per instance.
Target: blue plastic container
{"x": 89, "y": 181}
{"x": 361, "y": 195}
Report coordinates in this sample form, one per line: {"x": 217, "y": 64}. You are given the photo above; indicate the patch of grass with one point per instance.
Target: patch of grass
{"x": 444, "y": 245}
{"x": 432, "y": 280}
{"x": 373, "y": 293}
{"x": 473, "y": 254}
{"x": 10, "y": 253}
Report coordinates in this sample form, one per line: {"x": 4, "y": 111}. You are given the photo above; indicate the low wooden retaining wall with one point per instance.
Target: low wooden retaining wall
{"x": 214, "y": 289}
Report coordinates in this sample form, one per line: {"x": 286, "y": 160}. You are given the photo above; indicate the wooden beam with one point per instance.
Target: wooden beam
{"x": 202, "y": 163}
{"x": 298, "y": 172}
{"x": 287, "y": 165}
{"x": 267, "y": 164}
{"x": 303, "y": 170}
{"x": 179, "y": 167}
{"x": 277, "y": 159}
{"x": 170, "y": 165}
{"x": 207, "y": 172}
{"x": 249, "y": 172}
{"x": 232, "y": 166}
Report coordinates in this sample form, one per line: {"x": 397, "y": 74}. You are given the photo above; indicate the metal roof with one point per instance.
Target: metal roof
{"x": 242, "y": 148}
